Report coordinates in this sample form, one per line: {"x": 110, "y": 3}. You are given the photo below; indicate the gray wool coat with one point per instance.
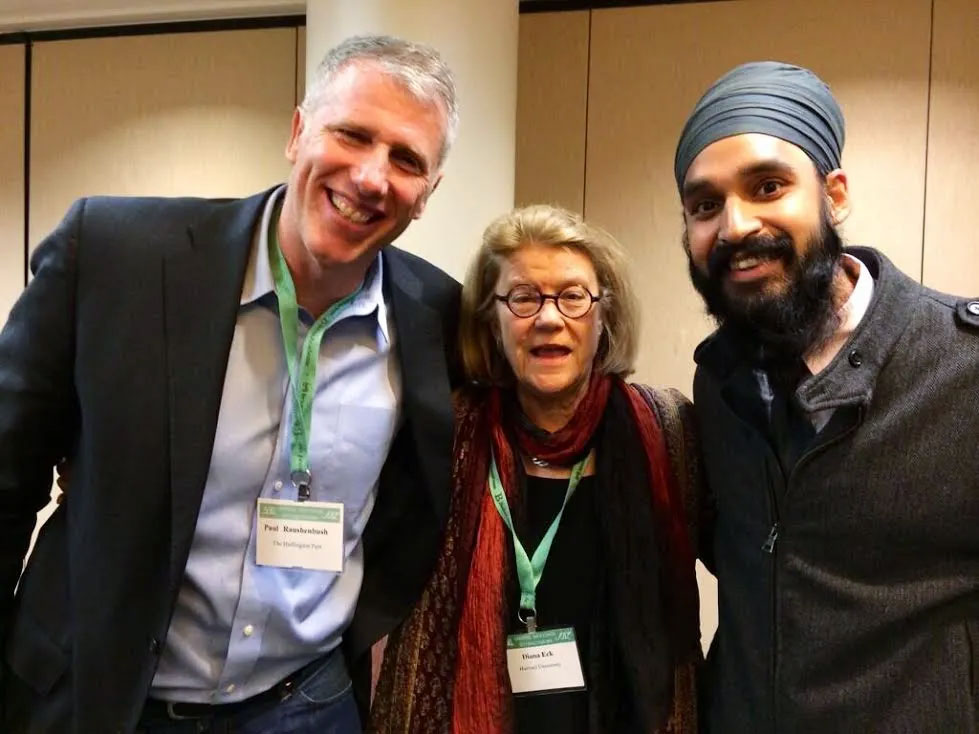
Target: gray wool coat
{"x": 849, "y": 589}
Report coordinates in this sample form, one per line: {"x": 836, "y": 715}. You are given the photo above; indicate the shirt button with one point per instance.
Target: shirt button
{"x": 276, "y": 485}
{"x": 973, "y": 307}
{"x": 856, "y": 359}
{"x": 248, "y": 630}
{"x": 230, "y": 688}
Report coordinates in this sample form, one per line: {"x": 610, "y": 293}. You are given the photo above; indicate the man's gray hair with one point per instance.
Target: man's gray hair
{"x": 417, "y": 67}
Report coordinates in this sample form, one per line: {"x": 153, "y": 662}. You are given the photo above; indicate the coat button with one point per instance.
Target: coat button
{"x": 856, "y": 359}
{"x": 972, "y": 307}
{"x": 155, "y": 646}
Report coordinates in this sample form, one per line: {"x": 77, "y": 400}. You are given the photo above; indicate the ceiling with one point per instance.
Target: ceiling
{"x": 37, "y": 15}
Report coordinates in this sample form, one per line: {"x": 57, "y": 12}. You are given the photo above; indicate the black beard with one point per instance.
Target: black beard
{"x": 783, "y": 325}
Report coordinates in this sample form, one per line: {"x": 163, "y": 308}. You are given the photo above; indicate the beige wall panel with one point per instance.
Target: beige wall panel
{"x": 202, "y": 114}
{"x": 951, "y": 257}
{"x": 648, "y": 67}
{"x": 552, "y": 99}
{"x": 300, "y": 64}
{"x": 12, "y": 181}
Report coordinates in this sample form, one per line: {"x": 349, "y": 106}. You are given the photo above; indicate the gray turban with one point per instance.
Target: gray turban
{"x": 769, "y": 97}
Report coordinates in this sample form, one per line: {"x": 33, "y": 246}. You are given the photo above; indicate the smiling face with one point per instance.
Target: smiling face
{"x": 364, "y": 162}
{"x": 760, "y": 236}
{"x": 748, "y": 189}
{"x": 550, "y": 354}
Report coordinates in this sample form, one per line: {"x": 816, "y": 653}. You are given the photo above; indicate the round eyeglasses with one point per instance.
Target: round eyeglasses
{"x": 525, "y": 301}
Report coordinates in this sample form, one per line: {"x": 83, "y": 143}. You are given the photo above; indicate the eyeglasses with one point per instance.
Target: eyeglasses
{"x": 525, "y": 301}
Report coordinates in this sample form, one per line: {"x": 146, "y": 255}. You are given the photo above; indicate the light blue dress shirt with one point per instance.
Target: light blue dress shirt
{"x": 239, "y": 628}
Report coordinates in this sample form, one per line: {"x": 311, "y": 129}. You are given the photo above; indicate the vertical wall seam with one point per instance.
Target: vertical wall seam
{"x": 28, "y": 63}
{"x": 295, "y": 67}
{"x": 584, "y": 168}
{"x": 924, "y": 206}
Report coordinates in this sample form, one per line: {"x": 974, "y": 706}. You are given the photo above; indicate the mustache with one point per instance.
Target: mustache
{"x": 761, "y": 246}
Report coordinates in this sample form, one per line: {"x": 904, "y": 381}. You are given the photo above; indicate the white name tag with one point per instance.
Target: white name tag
{"x": 300, "y": 535}
{"x": 544, "y": 661}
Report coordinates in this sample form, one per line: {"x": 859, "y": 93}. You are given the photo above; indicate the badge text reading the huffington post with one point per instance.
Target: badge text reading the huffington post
{"x": 300, "y": 535}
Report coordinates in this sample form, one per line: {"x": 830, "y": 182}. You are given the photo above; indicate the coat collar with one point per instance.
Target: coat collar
{"x": 850, "y": 377}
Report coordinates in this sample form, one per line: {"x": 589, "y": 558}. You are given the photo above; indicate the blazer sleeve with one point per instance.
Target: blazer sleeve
{"x": 38, "y": 402}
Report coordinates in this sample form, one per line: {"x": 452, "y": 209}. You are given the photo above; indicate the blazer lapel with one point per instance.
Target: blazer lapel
{"x": 425, "y": 378}
{"x": 202, "y": 288}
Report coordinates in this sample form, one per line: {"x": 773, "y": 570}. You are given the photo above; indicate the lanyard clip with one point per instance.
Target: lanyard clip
{"x": 530, "y": 620}
{"x": 302, "y": 479}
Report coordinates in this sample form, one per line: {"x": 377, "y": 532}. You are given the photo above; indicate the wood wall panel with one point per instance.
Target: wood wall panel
{"x": 12, "y": 181}
{"x": 552, "y": 99}
{"x": 648, "y": 67}
{"x": 300, "y": 64}
{"x": 951, "y": 248}
{"x": 202, "y": 114}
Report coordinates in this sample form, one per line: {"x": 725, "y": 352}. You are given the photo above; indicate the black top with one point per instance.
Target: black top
{"x": 566, "y": 595}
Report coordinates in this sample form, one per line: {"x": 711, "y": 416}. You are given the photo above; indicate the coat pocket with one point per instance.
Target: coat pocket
{"x": 33, "y": 656}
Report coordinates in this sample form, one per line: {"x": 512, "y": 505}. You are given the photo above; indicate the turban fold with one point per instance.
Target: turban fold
{"x": 768, "y": 97}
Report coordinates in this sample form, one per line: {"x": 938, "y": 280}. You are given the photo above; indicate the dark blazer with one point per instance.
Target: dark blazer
{"x": 861, "y": 614}
{"x": 115, "y": 356}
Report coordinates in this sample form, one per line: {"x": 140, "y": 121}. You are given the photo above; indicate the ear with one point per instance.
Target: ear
{"x": 295, "y": 134}
{"x": 837, "y": 195}
{"x": 419, "y": 208}
{"x": 685, "y": 237}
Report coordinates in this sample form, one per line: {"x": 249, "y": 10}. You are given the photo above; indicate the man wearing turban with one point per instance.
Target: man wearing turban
{"x": 839, "y": 413}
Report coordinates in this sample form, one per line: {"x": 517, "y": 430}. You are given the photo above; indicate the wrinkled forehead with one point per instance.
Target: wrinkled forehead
{"x": 547, "y": 266}
{"x": 367, "y": 95}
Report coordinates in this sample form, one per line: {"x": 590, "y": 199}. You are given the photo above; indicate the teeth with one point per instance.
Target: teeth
{"x": 349, "y": 212}
{"x": 745, "y": 263}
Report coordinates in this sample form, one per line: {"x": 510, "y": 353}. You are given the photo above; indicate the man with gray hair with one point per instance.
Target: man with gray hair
{"x": 254, "y": 399}
{"x": 838, "y": 406}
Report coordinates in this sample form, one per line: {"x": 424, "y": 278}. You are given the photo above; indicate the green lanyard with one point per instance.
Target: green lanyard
{"x": 530, "y": 570}
{"x": 302, "y": 367}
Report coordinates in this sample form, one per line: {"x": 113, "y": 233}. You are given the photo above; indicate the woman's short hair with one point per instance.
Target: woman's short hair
{"x": 549, "y": 226}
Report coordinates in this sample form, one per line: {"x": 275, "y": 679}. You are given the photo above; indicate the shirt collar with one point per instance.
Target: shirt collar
{"x": 851, "y": 313}
{"x": 370, "y": 299}
{"x": 258, "y": 286}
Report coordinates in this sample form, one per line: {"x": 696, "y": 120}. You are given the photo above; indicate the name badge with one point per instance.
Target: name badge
{"x": 545, "y": 661}
{"x": 300, "y": 535}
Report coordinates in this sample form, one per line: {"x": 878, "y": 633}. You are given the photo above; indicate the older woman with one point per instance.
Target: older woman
{"x": 567, "y": 567}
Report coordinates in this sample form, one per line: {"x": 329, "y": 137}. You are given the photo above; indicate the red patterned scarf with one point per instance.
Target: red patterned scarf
{"x": 444, "y": 669}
